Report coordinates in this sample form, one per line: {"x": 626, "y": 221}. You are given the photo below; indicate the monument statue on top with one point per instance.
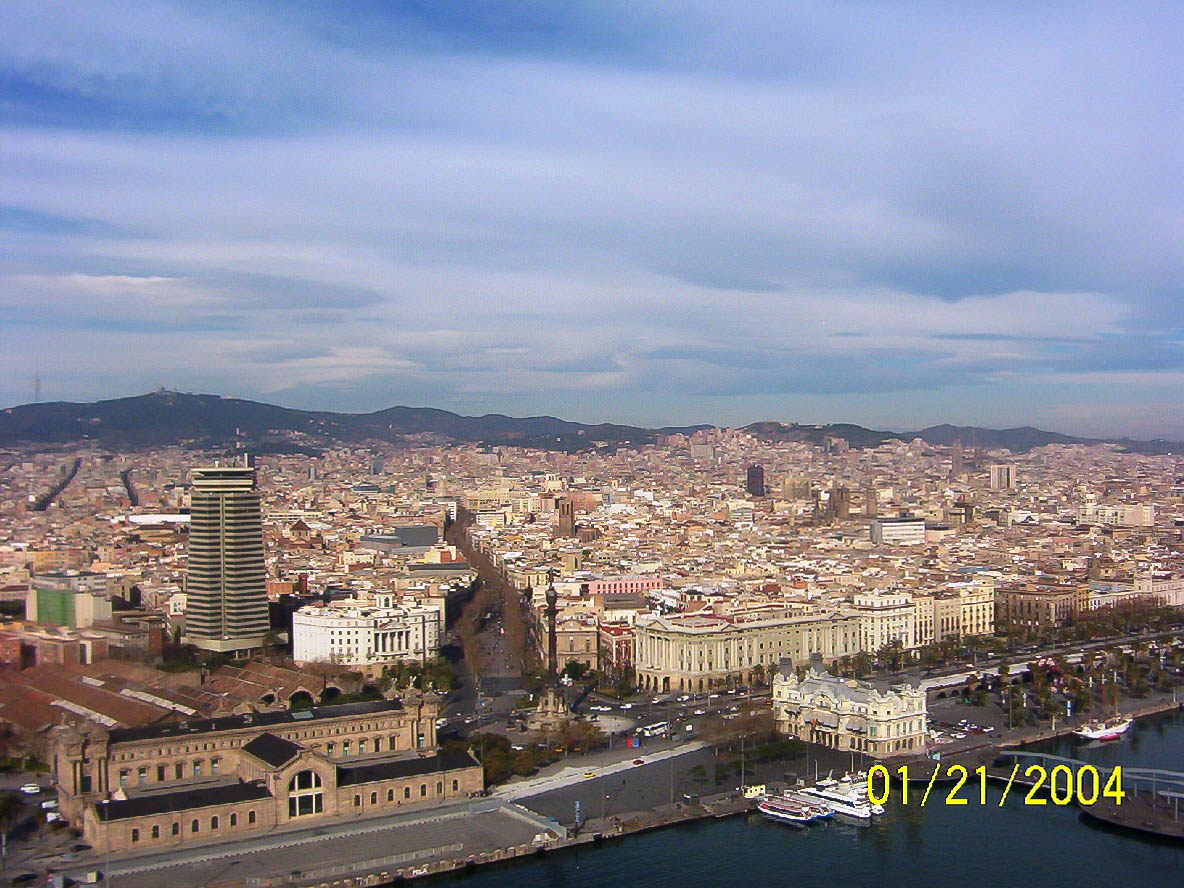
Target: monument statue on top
{"x": 552, "y": 710}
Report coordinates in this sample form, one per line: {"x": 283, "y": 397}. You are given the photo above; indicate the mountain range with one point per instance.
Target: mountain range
{"x": 211, "y": 421}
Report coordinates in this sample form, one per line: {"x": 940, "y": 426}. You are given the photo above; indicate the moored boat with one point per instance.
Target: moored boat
{"x": 848, "y": 800}
{"x": 1111, "y": 729}
{"x": 785, "y": 810}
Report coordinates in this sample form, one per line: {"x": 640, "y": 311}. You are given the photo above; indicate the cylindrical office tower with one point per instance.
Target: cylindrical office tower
{"x": 226, "y": 587}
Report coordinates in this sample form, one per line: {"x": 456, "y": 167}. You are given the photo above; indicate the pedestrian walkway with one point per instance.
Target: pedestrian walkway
{"x": 575, "y": 774}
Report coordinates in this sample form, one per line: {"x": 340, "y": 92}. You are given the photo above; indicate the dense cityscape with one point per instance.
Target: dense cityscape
{"x": 207, "y": 647}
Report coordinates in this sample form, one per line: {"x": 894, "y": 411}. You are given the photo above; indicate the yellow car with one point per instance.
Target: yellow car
{"x": 589, "y": 773}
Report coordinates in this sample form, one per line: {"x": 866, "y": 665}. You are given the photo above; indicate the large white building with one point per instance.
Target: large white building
{"x": 367, "y": 636}
{"x": 843, "y": 713}
{"x": 1122, "y": 515}
{"x": 904, "y": 531}
{"x": 885, "y": 617}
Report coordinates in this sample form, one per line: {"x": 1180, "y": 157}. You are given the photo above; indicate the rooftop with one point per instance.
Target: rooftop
{"x": 256, "y": 719}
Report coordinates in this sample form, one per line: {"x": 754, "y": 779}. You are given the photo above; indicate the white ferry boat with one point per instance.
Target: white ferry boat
{"x": 844, "y": 798}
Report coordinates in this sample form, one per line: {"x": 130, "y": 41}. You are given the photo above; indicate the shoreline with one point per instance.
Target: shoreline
{"x": 1145, "y": 821}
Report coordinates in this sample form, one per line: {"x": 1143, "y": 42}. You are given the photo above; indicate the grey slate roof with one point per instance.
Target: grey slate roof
{"x": 276, "y": 751}
{"x": 256, "y": 719}
{"x": 370, "y": 772}
{"x": 182, "y": 801}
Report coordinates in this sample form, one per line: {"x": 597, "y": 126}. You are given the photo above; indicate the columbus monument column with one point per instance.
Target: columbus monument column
{"x": 552, "y": 711}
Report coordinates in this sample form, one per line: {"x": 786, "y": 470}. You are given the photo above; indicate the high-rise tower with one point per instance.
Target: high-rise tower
{"x": 226, "y": 584}
{"x": 754, "y": 481}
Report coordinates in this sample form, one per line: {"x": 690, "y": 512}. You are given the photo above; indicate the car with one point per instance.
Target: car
{"x": 700, "y": 712}
{"x": 53, "y": 817}
{"x": 589, "y": 774}
{"x": 626, "y": 705}
{"x": 639, "y": 761}
{"x": 23, "y": 878}
{"x": 712, "y": 696}
{"x": 31, "y": 789}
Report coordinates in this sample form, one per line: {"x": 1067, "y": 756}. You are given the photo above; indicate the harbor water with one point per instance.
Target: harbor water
{"x": 938, "y": 845}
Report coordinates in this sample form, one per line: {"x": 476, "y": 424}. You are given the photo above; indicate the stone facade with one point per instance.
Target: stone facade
{"x": 847, "y": 714}
{"x": 152, "y": 787}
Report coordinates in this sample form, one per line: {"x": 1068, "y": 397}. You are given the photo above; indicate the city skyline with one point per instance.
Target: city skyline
{"x": 640, "y": 213}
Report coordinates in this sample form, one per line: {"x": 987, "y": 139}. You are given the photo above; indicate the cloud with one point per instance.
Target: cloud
{"x": 641, "y": 207}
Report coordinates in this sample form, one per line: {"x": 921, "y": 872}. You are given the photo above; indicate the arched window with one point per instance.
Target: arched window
{"x": 305, "y": 794}
{"x": 373, "y": 798}
{"x": 455, "y": 785}
{"x": 234, "y": 820}
{"x": 423, "y": 790}
{"x": 176, "y": 829}
{"x": 213, "y": 823}
{"x": 439, "y": 787}
{"x": 406, "y": 792}
{"x": 390, "y": 795}
{"x": 193, "y": 827}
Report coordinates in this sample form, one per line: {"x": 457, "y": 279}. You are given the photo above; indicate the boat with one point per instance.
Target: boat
{"x": 849, "y": 799}
{"x": 785, "y": 810}
{"x": 822, "y": 811}
{"x": 1111, "y": 729}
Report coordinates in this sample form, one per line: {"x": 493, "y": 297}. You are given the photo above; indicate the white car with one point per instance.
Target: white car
{"x": 31, "y": 789}
{"x": 700, "y": 712}
{"x": 626, "y": 705}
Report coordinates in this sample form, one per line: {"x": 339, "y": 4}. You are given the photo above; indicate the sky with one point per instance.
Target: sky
{"x": 644, "y": 211}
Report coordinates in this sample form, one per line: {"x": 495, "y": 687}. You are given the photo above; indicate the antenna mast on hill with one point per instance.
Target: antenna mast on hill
{"x": 36, "y": 389}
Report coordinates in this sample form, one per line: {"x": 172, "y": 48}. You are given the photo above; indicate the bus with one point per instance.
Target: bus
{"x": 654, "y": 730}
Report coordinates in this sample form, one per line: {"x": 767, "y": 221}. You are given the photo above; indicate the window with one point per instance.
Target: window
{"x": 406, "y": 792}
{"x": 215, "y": 765}
{"x": 390, "y": 795}
{"x": 197, "y": 766}
{"x": 135, "y": 835}
{"x": 329, "y": 748}
{"x": 357, "y": 801}
{"x": 305, "y": 795}
{"x": 423, "y": 790}
{"x": 179, "y": 770}
{"x": 345, "y": 747}
{"x": 124, "y": 774}
{"x": 439, "y": 787}
{"x": 362, "y": 746}
{"x": 156, "y": 832}
{"x": 455, "y": 785}
{"x": 234, "y": 820}
{"x": 160, "y": 773}
{"x": 213, "y": 823}
{"x": 373, "y": 798}
{"x": 392, "y": 740}
{"x": 250, "y": 817}
{"x": 193, "y": 827}
{"x": 176, "y": 829}
{"x": 142, "y": 776}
